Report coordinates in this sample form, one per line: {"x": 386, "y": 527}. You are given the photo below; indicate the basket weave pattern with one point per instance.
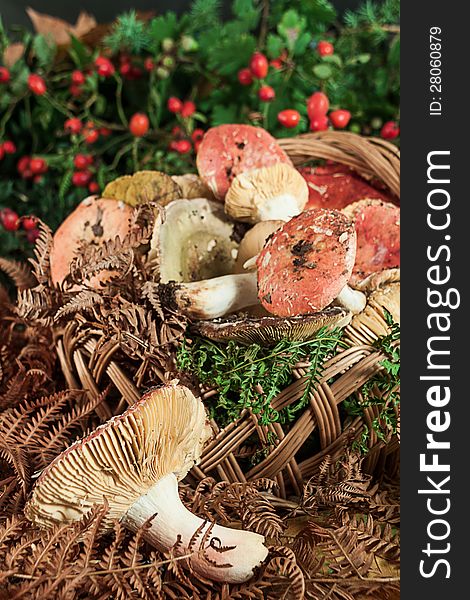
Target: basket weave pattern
{"x": 89, "y": 363}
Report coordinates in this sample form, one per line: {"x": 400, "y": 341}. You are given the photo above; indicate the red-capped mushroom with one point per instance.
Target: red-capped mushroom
{"x": 229, "y": 150}
{"x": 377, "y": 226}
{"x": 336, "y": 186}
{"x": 303, "y": 267}
{"x": 94, "y": 221}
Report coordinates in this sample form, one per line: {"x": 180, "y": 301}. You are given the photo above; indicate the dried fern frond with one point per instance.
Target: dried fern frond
{"x": 18, "y": 272}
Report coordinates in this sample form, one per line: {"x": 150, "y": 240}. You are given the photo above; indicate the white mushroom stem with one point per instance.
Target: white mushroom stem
{"x": 216, "y": 297}
{"x": 219, "y": 553}
{"x": 351, "y": 300}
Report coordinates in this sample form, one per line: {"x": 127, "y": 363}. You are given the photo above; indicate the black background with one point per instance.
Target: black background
{"x": 421, "y": 134}
{"x": 13, "y": 11}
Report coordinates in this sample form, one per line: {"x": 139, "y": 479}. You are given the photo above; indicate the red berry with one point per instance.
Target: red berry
{"x": 37, "y": 85}
{"x": 325, "y": 48}
{"x": 289, "y": 118}
{"x": 32, "y": 235}
{"x": 4, "y": 75}
{"x": 81, "y": 161}
{"x": 23, "y": 164}
{"x": 2, "y": 152}
{"x": 174, "y": 105}
{"x": 197, "y": 135}
{"x": 245, "y": 77}
{"x": 266, "y": 93}
{"x": 104, "y": 66}
{"x": 81, "y": 178}
{"x": 276, "y": 64}
{"x": 73, "y": 125}
{"x": 136, "y": 73}
{"x": 183, "y": 146}
{"x": 173, "y": 145}
{"x": 9, "y": 219}
{"x": 149, "y": 65}
{"x": 390, "y": 130}
{"x": 28, "y": 223}
{"x": 93, "y": 187}
{"x": 38, "y": 166}
{"x": 319, "y": 123}
{"x": 91, "y": 136}
{"x": 259, "y": 65}
{"x": 340, "y": 118}
{"x": 9, "y": 147}
{"x": 75, "y": 91}
{"x": 188, "y": 108}
{"x": 126, "y": 70}
{"x": 78, "y": 78}
{"x": 139, "y": 124}
{"x": 317, "y": 105}
{"x": 105, "y": 131}
{"x": 176, "y": 131}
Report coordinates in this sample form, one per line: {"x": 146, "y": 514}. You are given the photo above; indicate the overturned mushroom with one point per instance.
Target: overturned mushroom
{"x": 303, "y": 267}
{"x": 94, "y": 222}
{"x": 142, "y": 187}
{"x": 192, "y": 186}
{"x": 195, "y": 241}
{"x": 253, "y": 242}
{"x": 134, "y": 462}
{"x": 228, "y": 150}
{"x": 276, "y": 192}
{"x": 377, "y": 226}
{"x": 270, "y": 330}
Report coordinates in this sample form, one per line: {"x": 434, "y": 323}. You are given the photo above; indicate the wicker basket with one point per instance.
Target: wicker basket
{"x": 91, "y": 364}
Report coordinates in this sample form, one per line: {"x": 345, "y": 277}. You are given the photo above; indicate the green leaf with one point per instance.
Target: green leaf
{"x": 291, "y": 27}
{"x": 44, "y": 50}
{"x": 224, "y": 114}
{"x": 302, "y": 42}
{"x": 274, "y": 45}
{"x": 322, "y": 71}
{"x": 164, "y": 26}
{"x": 333, "y": 59}
{"x": 78, "y": 52}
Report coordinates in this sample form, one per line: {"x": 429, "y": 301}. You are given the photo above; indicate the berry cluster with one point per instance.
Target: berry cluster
{"x": 10, "y": 221}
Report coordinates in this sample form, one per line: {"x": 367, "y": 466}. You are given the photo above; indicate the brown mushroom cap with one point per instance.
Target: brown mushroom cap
{"x": 270, "y": 330}
{"x": 253, "y": 242}
{"x": 228, "y": 150}
{"x": 162, "y": 433}
{"x": 306, "y": 263}
{"x": 94, "y": 221}
{"x": 142, "y": 187}
{"x": 377, "y": 226}
{"x": 275, "y": 192}
{"x": 192, "y": 186}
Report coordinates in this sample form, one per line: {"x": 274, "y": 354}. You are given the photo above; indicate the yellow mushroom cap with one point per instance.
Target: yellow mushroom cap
{"x": 269, "y": 193}
{"x": 192, "y": 186}
{"x": 162, "y": 433}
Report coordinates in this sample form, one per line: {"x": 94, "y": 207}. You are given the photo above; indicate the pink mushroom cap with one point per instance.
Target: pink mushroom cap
{"x": 377, "y": 226}
{"x": 228, "y": 150}
{"x": 306, "y": 263}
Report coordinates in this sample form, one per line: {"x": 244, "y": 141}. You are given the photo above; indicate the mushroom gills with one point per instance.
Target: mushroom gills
{"x": 270, "y": 330}
{"x": 227, "y": 555}
{"x": 196, "y": 241}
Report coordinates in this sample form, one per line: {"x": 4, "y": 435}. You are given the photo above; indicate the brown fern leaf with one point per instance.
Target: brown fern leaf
{"x": 42, "y": 252}
{"x": 380, "y": 539}
{"x": 282, "y": 576}
{"x": 83, "y": 301}
{"x": 18, "y": 272}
